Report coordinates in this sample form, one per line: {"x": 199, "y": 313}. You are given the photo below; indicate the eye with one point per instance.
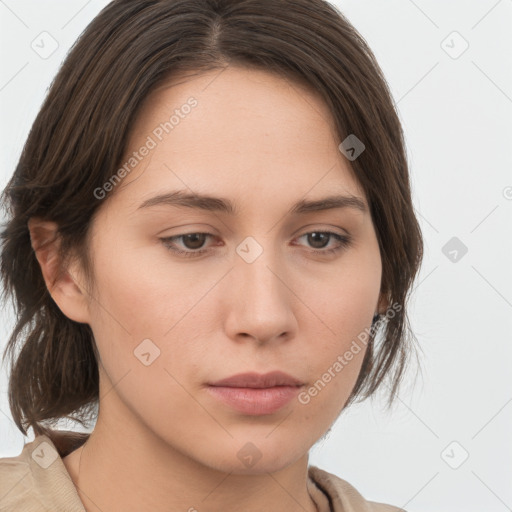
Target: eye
{"x": 320, "y": 239}
{"x": 193, "y": 243}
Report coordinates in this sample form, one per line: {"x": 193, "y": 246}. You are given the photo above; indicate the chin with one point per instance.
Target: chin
{"x": 259, "y": 456}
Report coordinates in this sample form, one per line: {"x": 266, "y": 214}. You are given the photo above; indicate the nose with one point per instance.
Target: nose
{"x": 259, "y": 301}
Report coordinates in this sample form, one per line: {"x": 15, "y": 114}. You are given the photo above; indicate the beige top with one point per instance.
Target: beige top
{"x": 37, "y": 480}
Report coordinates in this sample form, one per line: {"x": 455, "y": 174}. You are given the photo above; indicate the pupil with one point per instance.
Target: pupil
{"x": 316, "y": 234}
{"x": 197, "y": 240}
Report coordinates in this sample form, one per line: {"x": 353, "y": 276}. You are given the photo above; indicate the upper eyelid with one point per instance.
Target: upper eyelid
{"x": 308, "y": 229}
{"x": 320, "y": 230}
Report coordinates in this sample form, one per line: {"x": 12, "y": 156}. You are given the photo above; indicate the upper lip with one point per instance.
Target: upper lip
{"x": 257, "y": 380}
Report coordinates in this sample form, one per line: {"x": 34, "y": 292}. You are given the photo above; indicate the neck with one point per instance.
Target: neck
{"x": 123, "y": 470}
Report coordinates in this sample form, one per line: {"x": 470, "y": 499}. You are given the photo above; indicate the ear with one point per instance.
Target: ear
{"x": 66, "y": 291}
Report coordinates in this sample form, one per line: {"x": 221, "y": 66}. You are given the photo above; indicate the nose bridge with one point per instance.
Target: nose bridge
{"x": 260, "y": 302}
{"x": 256, "y": 267}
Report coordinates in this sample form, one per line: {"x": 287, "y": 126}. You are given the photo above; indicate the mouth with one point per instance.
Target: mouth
{"x": 256, "y": 394}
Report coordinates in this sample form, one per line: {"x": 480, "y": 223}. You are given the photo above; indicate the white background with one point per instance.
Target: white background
{"x": 456, "y": 113}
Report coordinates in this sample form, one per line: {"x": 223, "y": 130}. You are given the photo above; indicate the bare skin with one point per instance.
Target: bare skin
{"x": 162, "y": 442}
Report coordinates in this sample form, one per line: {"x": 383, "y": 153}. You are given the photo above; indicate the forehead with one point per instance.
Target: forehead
{"x": 236, "y": 131}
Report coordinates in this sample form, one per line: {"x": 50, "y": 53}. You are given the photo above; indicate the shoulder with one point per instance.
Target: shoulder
{"x": 16, "y": 482}
{"x": 345, "y": 497}
{"x": 36, "y": 479}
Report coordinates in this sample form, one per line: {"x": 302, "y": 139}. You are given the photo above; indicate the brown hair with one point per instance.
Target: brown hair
{"x": 79, "y": 137}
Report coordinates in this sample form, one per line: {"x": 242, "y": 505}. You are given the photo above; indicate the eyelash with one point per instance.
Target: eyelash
{"x": 344, "y": 241}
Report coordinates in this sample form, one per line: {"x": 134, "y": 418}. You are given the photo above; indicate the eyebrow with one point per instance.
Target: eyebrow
{"x": 219, "y": 204}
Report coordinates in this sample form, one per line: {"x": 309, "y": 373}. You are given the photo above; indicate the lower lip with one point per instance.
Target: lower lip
{"x": 255, "y": 401}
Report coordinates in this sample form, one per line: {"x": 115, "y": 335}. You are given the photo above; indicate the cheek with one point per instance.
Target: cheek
{"x": 337, "y": 329}
{"x": 145, "y": 310}
{"x": 344, "y": 300}
{"x": 145, "y": 296}
{"x": 140, "y": 325}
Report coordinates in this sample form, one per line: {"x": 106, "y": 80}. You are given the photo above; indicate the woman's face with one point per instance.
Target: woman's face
{"x": 258, "y": 289}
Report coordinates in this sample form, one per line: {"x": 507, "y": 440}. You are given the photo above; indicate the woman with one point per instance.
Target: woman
{"x": 209, "y": 225}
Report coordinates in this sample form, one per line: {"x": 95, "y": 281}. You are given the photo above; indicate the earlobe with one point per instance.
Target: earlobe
{"x": 62, "y": 286}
